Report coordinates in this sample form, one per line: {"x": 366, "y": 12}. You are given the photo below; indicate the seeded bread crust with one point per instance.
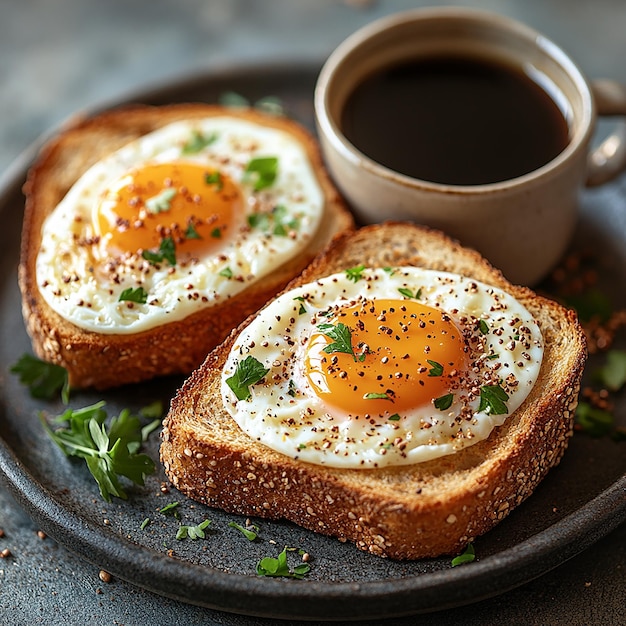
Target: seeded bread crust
{"x": 105, "y": 360}
{"x": 409, "y": 512}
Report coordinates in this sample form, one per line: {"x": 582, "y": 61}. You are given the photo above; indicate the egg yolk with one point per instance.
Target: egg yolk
{"x": 384, "y": 356}
{"x": 194, "y": 205}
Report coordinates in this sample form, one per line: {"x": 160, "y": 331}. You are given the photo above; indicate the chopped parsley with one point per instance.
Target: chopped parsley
{"x": 270, "y": 566}
{"x": 193, "y": 532}
{"x": 198, "y": 142}
{"x": 248, "y": 372}
{"x": 162, "y": 202}
{"x": 167, "y": 252}
{"x": 467, "y": 556}
{"x": 302, "y": 309}
{"x": 263, "y": 171}
{"x": 436, "y": 369}
{"x": 376, "y": 396}
{"x": 483, "y": 327}
{"x": 171, "y": 509}
{"x": 278, "y": 221}
{"x": 493, "y": 399}
{"x": 214, "y": 178}
{"x": 44, "y": 380}
{"x": 216, "y": 233}
{"x": 192, "y": 233}
{"x": 139, "y": 295}
{"x": 109, "y": 452}
{"x": 292, "y": 388}
{"x": 249, "y": 532}
{"x": 227, "y": 272}
{"x": 394, "y": 418}
{"x": 146, "y": 522}
{"x": 443, "y": 402}
{"x": 355, "y": 273}
{"x": 407, "y": 293}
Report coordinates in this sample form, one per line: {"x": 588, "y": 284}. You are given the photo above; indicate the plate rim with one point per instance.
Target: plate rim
{"x": 297, "y": 599}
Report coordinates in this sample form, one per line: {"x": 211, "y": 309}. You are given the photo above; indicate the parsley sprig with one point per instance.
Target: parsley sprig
{"x": 467, "y": 556}
{"x": 193, "y": 532}
{"x": 44, "y": 380}
{"x": 110, "y": 452}
{"x": 250, "y": 532}
{"x": 270, "y": 566}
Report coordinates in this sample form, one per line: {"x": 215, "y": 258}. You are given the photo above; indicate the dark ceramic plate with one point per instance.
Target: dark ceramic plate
{"x": 579, "y": 502}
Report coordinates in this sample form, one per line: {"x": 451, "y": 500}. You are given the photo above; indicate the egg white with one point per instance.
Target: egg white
{"x": 71, "y": 277}
{"x": 284, "y": 413}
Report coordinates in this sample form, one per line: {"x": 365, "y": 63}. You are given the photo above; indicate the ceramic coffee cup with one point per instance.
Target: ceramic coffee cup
{"x": 522, "y": 224}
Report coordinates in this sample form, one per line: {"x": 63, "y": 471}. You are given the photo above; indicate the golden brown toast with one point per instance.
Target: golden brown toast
{"x": 406, "y": 512}
{"x": 107, "y": 360}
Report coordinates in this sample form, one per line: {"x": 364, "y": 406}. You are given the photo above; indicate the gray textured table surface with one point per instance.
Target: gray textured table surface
{"x": 60, "y": 56}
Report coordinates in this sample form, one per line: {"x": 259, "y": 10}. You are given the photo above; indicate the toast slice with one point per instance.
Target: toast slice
{"x": 106, "y": 360}
{"x": 406, "y": 512}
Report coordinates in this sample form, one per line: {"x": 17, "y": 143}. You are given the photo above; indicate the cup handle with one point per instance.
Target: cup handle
{"x": 609, "y": 158}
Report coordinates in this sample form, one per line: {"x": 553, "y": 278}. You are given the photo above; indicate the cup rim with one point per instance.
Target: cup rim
{"x": 329, "y": 128}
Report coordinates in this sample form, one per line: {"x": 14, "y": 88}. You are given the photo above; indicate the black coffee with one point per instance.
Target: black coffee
{"x": 455, "y": 121}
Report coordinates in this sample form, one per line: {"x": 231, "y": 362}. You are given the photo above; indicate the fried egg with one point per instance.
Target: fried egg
{"x": 180, "y": 219}
{"x": 377, "y": 367}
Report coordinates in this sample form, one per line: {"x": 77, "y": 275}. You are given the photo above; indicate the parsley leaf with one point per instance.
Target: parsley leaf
{"x": 436, "y": 369}
{"x": 43, "y": 379}
{"x": 248, "y": 372}
{"x": 612, "y": 374}
{"x": 355, "y": 273}
{"x": 193, "y": 532}
{"x": 443, "y": 402}
{"x": 492, "y": 400}
{"x": 167, "y": 252}
{"x": 109, "y": 453}
{"x": 394, "y": 418}
{"x": 161, "y": 202}
{"x": 270, "y": 566}
{"x": 139, "y": 295}
{"x": 226, "y": 272}
{"x": 467, "y": 556}
{"x": 214, "y": 178}
{"x": 198, "y": 142}
{"x": 263, "y": 171}
{"x": 342, "y": 337}
{"x": 249, "y": 532}
{"x": 483, "y": 327}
